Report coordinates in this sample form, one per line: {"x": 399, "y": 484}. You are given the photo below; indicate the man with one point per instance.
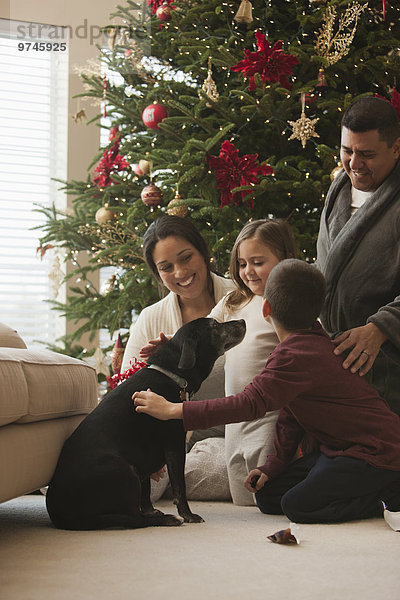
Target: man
{"x": 358, "y": 247}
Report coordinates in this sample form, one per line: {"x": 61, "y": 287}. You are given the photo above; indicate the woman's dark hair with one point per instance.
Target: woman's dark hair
{"x": 167, "y": 226}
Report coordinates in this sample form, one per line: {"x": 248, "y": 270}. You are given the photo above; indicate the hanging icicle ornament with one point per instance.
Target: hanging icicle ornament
{"x": 303, "y": 128}
{"x": 209, "y": 88}
{"x": 244, "y": 13}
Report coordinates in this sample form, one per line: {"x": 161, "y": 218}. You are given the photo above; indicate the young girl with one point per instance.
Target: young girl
{"x": 258, "y": 248}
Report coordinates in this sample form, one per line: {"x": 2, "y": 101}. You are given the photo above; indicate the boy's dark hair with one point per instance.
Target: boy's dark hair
{"x": 371, "y": 113}
{"x": 171, "y": 225}
{"x": 295, "y": 291}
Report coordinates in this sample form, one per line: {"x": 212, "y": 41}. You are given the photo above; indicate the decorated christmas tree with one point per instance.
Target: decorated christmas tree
{"x": 219, "y": 112}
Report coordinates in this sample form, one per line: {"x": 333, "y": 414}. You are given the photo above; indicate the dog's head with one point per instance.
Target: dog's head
{"x": 194, "y": 348}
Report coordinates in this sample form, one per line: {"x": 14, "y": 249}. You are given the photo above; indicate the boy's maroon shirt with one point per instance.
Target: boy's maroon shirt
{"x": 304, "y": 379}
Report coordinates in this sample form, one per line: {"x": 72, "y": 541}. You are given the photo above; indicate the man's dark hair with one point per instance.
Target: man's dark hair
{"x": 167, "y": 226}
{"x": 371, "y": 113}
{"x": 295, "y": 291}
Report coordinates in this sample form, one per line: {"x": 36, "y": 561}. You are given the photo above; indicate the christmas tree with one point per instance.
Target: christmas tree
{"x": 220, "y": 112}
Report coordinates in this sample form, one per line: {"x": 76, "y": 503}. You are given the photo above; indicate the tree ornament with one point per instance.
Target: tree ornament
{"x": 335, "y": 172}
{"x": 117, "y": 355}
{"x": 112, "y": 162}
{"x": 151, "y": 195}
{"x": 99, "y": 361}
{"x": 118, "y": 378}
{"x": 303, "y": 128}
{"x": 395, "y": 101}
{"x": 104, "y": 214}
{"x": 244, "y": 13}
{"x": 111, "y": 283}
{"x": 145, "y": 166}
{"x": 179, "y": 211}
{"x": 334, "y": 46}
{"x": 163, "y": 12}
{"x": 153, "y": 114}
{"x": 322, "y": 85}
{"x": 79, "y": 116}
{"x": 209, "y": 87}
{"x": 232, "y": 171}
{"x": 138, "y": 171}
{"x": 155, "y": 4}
{"x": 270, "y": 62}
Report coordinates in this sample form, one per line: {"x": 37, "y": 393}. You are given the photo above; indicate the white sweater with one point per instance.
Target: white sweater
{"x": 248, "y": 359}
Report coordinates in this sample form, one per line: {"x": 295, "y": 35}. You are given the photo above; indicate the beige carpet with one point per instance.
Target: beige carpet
{"x": 227, "y": 557}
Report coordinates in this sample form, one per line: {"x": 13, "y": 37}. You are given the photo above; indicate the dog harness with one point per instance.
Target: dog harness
{"x": 182, "y": 383}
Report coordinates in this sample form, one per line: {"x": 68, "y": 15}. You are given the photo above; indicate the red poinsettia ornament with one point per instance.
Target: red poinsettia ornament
{"x": 232, "y": 171}
{"x": 111, "y": 162}
{"x": 270, "y": 62}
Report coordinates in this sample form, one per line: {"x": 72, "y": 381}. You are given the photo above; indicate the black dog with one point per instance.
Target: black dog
{"x": 102, "y": 478}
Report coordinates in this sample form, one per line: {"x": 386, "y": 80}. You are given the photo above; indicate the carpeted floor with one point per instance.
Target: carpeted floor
{"x": 227, "y": 557}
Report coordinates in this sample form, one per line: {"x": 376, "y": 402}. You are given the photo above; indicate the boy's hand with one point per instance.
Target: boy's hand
{"x": 255, "y": 480}
{"x": 156, "y": 406}
{"x": 153, "y": 345}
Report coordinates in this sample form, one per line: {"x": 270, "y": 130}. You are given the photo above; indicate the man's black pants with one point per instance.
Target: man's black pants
{"x": 319, "y": 489}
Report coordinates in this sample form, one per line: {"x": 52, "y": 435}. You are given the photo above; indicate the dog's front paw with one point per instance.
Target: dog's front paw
{"x": 171, "y": 521}
{"x": 192, "y": 518}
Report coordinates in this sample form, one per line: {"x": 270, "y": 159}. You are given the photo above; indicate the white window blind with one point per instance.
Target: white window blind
{"x": 33, "y": 150}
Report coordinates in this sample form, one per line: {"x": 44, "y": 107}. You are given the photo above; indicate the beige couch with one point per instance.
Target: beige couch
{"x": 43, "y": 397}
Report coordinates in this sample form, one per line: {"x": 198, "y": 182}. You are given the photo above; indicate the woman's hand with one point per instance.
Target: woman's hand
{"x": 156, "y": 406}
{"x": 153, "y": 345}
{"x": 365, "y": 342}
{"x": 255, "y": 480}
{"x": 159, "y": 474}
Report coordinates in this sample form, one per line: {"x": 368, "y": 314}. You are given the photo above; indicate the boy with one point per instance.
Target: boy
{"x": 358, "y": 461}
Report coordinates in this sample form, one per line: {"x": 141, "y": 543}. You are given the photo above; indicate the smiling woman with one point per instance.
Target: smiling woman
{"x": 178, "y": 257}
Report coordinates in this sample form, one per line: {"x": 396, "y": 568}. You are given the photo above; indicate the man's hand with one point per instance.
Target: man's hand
{"x": 255, "y": 480}
{"x": 365, "y": 342}
{"x": 153, "y": 345}
{"x": 156, "y": 406}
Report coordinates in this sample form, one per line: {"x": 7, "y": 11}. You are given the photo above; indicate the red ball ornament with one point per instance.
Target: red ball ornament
{"x": 153, "y": 114}
{"x": 151, "y": 195}
{"x": 163, "y": 12}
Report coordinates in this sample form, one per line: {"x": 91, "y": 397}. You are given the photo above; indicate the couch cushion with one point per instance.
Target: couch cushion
{"x": 14, "y": 397}
{"x": 9, "y": 338}
{"x": 44, "y": 385}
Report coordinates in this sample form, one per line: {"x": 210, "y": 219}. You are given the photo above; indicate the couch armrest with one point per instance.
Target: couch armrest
{"x": 9, "y": 338}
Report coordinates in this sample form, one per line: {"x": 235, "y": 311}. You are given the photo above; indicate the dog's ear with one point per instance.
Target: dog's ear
{"x": 188, "y": 354}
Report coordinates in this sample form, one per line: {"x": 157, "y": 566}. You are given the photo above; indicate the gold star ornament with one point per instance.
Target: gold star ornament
{"x": 303, "y": 128}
